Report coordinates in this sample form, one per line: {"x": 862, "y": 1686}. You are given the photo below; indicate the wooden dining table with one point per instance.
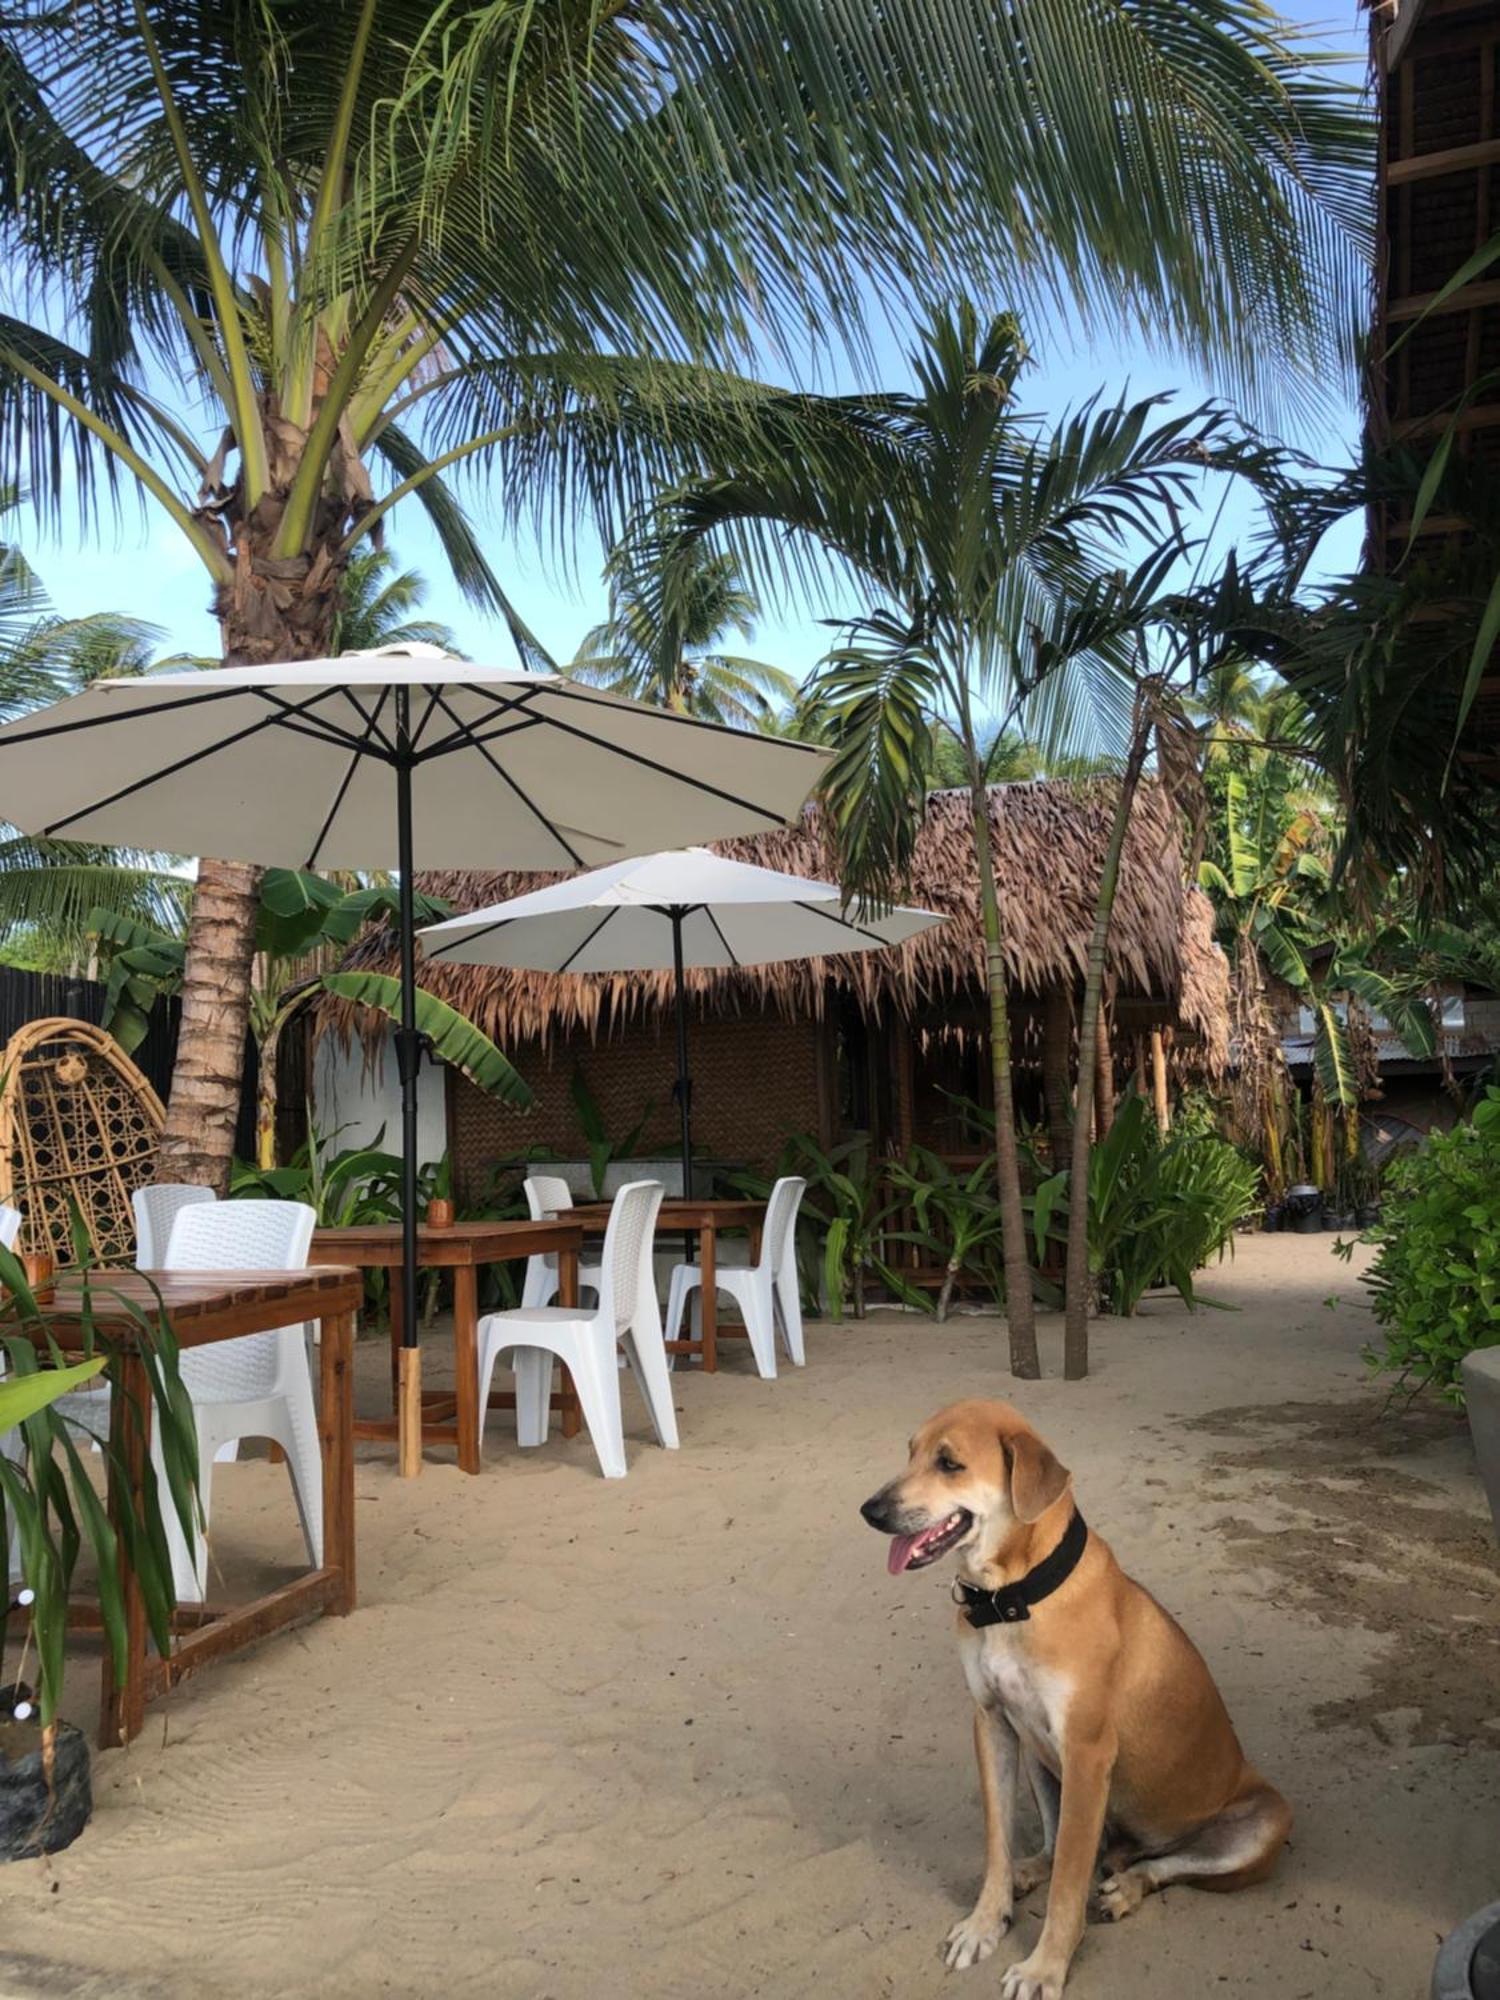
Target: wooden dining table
{"x": 705, "y": 1218}
{"x": 203, "y": 1307}
{"x": 451, "y": 1416}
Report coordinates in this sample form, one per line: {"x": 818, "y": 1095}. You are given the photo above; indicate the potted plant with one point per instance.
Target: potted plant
{"x": 51, "y": 1504}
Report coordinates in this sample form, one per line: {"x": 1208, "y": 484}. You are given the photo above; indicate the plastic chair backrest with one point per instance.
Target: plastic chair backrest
{"x": 157, "y": 1207}
{"x": 547, "y": 1194}
{"x": 10, "y": 1226}
{"x": 781, "y": 1222}
{"x": 626, "y": 1265}
{"x": 241, "y": 1236}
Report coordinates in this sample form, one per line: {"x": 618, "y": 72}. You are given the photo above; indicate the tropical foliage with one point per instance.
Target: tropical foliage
{"x": 377, "y": 606}
{"x": 1159, "y": 1208}
{"x": 305, "y": 924}
{"x": 1435, "y": 1280}
{"x": 995, "y": 542}
{"x": 49, "y": 887}
{"x": 664, "y": 640}
{"x": 47, "y": 1493}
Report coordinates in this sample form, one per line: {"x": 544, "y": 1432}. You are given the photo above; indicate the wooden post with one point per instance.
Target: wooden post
{"x": 409, "y": 1411}
{"x": 1159, "y": 1082}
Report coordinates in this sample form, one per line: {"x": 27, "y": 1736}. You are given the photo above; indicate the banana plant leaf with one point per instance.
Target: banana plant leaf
{"x": 453, "y": 1038}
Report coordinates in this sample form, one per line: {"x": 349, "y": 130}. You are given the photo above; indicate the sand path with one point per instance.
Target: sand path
{"x": 683, "y": 1735}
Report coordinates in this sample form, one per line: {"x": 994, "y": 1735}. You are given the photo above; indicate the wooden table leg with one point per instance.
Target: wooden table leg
{"x": 336, "y": 1434}
{"x": 466, "y": 1363}
{"x": 708, "y": 1264}
{"x": 409, "y": 1412}
{"x": 567, "y": 1295}
{"x": 122, "y": 1710}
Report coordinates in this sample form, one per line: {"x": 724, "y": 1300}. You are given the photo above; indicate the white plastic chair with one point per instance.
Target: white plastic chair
{"x": 549, "y": 1195}
{"x": 10, "y": 1226}
{"x": 156, "y": 1209}
{"x": 587, "y": 1343}
{"x": 766, "y": 1292}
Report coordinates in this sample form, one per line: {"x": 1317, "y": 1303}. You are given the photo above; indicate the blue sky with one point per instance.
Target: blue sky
{"x": 146, "y": 569}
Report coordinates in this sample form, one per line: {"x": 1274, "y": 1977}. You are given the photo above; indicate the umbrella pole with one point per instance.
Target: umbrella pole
{"x": 684, "y": 1080}
{"x": 408, "y": 1062}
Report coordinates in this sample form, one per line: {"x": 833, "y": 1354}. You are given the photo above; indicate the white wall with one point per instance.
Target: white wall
{"x": 360, "y": 1096}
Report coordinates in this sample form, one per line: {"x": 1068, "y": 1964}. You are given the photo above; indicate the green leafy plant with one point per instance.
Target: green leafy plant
{"x": 305, "y": 923}
{"x": 957, "y": 1219}
{"x": 848, "y": 1213}
{"x": 603, "y": 1150}
{"x": 1435, "y": 1281}
{"x": 1158, "y": 1209}
{"x": 48, "y": 1493}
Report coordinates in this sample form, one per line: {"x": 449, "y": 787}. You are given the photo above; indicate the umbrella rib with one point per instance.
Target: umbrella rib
{"x": 167, "y": 771}
{"x": 844, "y": 923}
{"x": 432, "y": 702}
{"x": 567, "y": 964}
{"x": 719, "y": 934}
{"x": 563, "y": 692}
{"x": 666, "y": 770}
{"x": 346, "y": 781}
{"x": 16, "y": 733}
{"x": 466, "y": 732}
{"x": 501, "y": 772}
{"x": 295, "y": 716}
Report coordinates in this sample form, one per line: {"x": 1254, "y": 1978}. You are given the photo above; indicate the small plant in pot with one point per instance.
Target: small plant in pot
{"x": 49, "y": 1506}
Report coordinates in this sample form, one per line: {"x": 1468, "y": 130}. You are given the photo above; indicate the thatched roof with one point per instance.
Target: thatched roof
{"x": 1050, "y": 839}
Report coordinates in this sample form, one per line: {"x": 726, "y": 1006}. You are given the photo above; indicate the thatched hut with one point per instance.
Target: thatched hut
{"x": 888, "y": 1042}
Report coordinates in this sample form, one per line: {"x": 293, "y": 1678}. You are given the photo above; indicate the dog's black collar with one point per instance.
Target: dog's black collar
{"x": 1013, "y": 1601}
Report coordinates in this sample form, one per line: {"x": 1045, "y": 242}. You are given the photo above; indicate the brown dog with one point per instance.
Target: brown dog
{"x": 1079, "y": 1675}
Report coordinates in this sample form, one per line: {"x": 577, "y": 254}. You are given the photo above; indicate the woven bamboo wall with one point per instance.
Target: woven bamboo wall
{"x": 756, "y": 1081}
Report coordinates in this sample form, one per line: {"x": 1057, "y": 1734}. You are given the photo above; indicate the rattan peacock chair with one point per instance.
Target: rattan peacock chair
{"x": 79, "y": 1130}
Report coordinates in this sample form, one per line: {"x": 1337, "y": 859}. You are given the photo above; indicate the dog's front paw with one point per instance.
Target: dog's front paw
{"x": 1033, "y": 1979}
{"x": 1118, "y": 1895}
{"x": 973, "y": 1940}
{"x": 1032, "y": 1872}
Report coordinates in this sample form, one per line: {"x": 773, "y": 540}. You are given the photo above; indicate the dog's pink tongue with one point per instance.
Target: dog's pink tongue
{"x": 903, "y": 1548}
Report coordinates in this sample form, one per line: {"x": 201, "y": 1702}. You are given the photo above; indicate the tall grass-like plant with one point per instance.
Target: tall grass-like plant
{"x": 47, "y": 1492}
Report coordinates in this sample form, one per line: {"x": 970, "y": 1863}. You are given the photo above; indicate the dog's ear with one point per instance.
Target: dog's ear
{"x": 1037, "y": 1476}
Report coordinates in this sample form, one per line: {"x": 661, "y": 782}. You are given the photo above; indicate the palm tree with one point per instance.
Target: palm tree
{"x": 374, "y": 608}
{"x": 663, "y": 640}
{"x": 283, "y": 257}
{"x": 49, "y": 887}
{"x": 987, "y": 535}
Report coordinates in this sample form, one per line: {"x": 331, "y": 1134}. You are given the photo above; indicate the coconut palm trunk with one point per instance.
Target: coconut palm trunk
{"x": 1057, "y": 1074}
{"x": 197, "y": 1142}
{"x": 1020, "y": 1308}
{"x": 1079, "y": 1290}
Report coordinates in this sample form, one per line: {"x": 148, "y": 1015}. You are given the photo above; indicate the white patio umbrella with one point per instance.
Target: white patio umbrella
{"x": 667, "y": 912}
{"x": 403, "y": 757}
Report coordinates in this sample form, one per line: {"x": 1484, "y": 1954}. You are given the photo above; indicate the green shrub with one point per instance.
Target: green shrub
{"x": 1435, "y": 1281}
{"x": 1158, "y": 1209}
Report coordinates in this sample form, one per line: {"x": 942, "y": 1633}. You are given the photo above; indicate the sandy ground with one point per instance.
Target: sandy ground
{"x": 682, "y": 1735}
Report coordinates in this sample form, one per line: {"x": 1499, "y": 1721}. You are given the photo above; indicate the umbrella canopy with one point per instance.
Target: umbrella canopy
{"x": 679, "y": 909}
{"x": 621, "y": 919}
{"x": 300, "y": 766}
{"x": 401, "y": 757}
